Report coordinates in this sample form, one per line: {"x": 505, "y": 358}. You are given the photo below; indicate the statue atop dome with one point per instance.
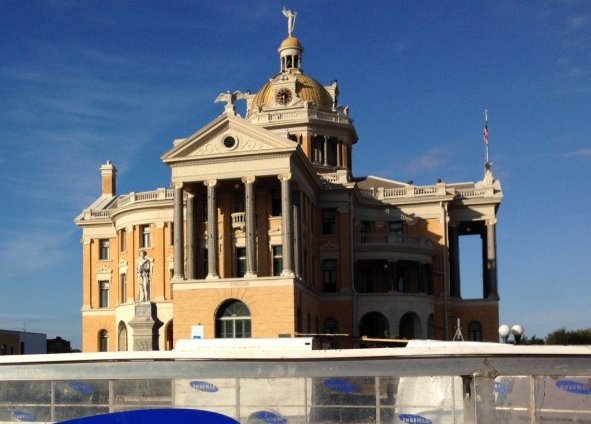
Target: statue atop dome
{"x": 291, "y": 17}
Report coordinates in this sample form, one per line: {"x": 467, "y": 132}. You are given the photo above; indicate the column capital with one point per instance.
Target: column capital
{"x": 491, "y": 222}
{"x": 210, "y": 183}
{"x": 177, "y": 185}
{"x": 190, "y": 195}
{"x": 284, "y": 177}
{"x": 248, "y": 179}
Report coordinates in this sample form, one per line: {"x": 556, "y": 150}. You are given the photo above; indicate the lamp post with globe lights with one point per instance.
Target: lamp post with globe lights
{"x": 516, "y": 330}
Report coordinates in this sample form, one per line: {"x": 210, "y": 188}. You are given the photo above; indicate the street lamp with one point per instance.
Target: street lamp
{"x": 516, "y": 330}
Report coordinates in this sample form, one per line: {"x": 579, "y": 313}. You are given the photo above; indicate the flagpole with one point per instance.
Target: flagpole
{"x": 485, "y": 136}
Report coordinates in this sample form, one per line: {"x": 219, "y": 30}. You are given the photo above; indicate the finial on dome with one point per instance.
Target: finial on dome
{"x": 291, "y": 17}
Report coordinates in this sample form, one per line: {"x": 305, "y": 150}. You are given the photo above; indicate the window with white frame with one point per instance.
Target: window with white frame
{"x": 103, "y": 341}
{"x": 145, "y": 236}
{"x": 277, "y": 260}
{"x": 103, "y": 249}
{"x": 103, "y": 294}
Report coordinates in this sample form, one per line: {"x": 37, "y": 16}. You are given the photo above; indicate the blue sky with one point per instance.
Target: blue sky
{"x": 86, "y": 81}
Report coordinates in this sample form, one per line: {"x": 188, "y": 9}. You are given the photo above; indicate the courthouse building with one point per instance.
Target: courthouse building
{"x": 266, "y": 232}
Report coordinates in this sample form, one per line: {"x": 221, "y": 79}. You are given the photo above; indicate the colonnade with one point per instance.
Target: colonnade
{"x": 320, "y": 154}
{"x": 213, "y": 231}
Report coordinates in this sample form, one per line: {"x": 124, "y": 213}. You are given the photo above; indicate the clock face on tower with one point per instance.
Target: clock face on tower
{"x": 283, "y": 96}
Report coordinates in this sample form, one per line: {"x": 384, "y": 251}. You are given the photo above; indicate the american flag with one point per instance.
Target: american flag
{"x": 485, "y": 129}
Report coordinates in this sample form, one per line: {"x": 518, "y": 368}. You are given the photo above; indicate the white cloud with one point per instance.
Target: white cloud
{"x": 583, "y": 153}
{"x": 579, "y": 21}
{"x": 432, "y": 160}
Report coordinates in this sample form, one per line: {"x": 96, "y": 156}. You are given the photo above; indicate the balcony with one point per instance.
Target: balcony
{"x": 387, "y": 245}
{"x": 238, "y": 220}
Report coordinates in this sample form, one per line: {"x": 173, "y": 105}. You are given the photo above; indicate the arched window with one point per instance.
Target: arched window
{"x": 122, "y": 337}
{"x": 232, "y": 321}
{"x": 331, "y": 326}
{"x": 475, "y": 331}
{"x": 410, "y": 326}
{"x": 103, "y": 341}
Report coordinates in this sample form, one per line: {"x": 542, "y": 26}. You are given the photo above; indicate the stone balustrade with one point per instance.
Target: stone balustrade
{"x": 238, "y": 220}
{"x": 131, "y": 198}
{"x": 439, "y": 189}
{"x": 394, "y": 240}
{"x": 298, "y": 115}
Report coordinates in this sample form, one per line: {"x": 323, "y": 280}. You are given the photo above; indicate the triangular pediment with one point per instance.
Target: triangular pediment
{"x": 228, "y": 136}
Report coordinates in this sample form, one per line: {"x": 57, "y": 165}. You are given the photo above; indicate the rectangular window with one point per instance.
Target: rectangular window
{"x": 122, "y": 240}
{"x": 145, "y": 236}
{"x": 103, "y": 249}
{"x": 329, "y": 221}
{"x": 103, "y": 294}
{"x": 171, "y": 226}
{"x": 276, "y": 203}
{"x": 240, "y": 261}
{"x": 123, "y": 288}
{"x": 329, "y": 271}
{"x": 277, "y": 260}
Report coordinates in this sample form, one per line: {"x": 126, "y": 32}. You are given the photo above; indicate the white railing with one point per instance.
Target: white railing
{"x": 439, "y": 189}
{"x": 238, "y": 220}
{"x": 146, "y": 196}
{"x": 471, "y": 192}
{"x": 298, "y": 115}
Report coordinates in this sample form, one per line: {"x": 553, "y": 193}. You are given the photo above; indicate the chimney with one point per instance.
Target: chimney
{"x": 108, "y": 179}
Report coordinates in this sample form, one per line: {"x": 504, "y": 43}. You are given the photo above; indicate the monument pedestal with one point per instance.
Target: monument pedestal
{"x": 145, "y": 324}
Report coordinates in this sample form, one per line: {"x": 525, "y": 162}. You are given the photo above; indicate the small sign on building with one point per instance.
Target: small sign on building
{"x": 197, "y": 331}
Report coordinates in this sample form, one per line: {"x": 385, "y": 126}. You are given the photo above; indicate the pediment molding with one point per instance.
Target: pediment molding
{"x": 226, "y": 137}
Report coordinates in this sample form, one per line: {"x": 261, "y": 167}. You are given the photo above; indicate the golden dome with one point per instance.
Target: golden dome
{"x": 307, "y": 89}
{"x": 291, "y": 42}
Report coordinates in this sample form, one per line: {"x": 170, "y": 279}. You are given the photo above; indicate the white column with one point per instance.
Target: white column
{"x": 179, "y": 240}
{"x": 251, "y": 268}
{"x": 190, "y": 236}
{"x": 212, "y": 230}
{"x": 286, "y": 214}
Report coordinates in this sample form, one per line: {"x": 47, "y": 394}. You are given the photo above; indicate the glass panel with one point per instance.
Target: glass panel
{"x": 95, "y": 392}
{"x": 142, "y": 392}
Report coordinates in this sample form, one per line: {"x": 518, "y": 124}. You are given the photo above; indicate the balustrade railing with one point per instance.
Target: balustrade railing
{"x": 299, "y": 114}
{"x": 393, "y": 239}
{"x": 238, "y": 220}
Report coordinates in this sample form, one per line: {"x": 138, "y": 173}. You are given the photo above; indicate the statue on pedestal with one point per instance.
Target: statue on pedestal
{"x": 144, "y": 271}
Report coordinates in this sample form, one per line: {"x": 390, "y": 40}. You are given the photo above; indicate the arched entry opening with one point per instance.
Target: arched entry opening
{"x": 232, "y": 320}
{"x": 374, "y": 324}
{"x": 410, "y": 326}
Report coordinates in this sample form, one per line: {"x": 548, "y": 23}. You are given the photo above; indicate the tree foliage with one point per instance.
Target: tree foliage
{"x": 572, "y": 337}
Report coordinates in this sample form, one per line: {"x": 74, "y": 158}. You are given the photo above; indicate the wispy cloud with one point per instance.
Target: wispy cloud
{"x": 434, "y": 159}
{"x": 582, "y": 153}
{"x": 579, "y": 21}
